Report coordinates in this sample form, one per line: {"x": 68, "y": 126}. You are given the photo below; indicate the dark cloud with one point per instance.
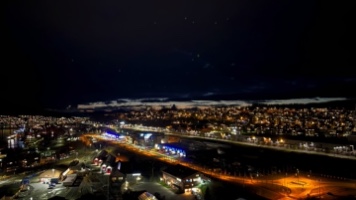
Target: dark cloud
{"x": 65, "y": 52}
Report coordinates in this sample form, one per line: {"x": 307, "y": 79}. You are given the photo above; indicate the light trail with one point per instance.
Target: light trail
{"x": 285, "y": 188}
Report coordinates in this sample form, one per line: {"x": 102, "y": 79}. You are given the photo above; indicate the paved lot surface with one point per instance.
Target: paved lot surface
{"x": 156, "y": 187}
{"x": 40, "y": 191}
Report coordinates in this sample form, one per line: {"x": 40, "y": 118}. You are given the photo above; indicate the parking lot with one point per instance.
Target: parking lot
{"x": 153, "y": 187}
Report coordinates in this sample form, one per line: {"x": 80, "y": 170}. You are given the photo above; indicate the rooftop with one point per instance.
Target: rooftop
{"x": 51, "y": 173}
{"x": 179, "y": 171}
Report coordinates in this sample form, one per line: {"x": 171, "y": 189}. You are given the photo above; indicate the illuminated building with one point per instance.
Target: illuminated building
{"x": 182, "y": 178}
{"x": 147, "y": 196}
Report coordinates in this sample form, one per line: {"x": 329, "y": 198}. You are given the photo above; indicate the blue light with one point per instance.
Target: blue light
{"x": 111, "y": 135}
{"x": 147, "y": 135}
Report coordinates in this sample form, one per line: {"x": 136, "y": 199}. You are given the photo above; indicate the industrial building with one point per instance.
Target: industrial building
{"x": 182, "y": 178}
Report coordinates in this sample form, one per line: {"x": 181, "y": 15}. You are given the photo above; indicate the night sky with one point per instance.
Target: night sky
{"x": 57, "y": 53}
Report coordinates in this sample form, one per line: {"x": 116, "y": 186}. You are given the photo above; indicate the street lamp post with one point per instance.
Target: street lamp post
{"x": 2, "y": 131}
{"x": 243, "y": 180}
{"x": 319, "y": 186}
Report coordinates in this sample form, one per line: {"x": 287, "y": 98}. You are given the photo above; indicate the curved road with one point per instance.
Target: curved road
{"x": 287, "y": 187}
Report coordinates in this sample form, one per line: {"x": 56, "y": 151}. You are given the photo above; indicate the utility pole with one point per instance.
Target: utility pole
{"x": 355, "y": 119}
{"x": 152, "y": 170}
{"x": 243, "y": 180}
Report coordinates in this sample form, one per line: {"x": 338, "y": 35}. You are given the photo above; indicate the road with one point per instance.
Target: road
{"x": 280, "y": 148}
{"x": 38, "y": 190}
{"x": 167, "y": 193}
{"x": 275, "y": 187}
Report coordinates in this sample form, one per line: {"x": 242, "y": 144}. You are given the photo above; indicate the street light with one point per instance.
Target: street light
{"x": 319, "y": 187}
